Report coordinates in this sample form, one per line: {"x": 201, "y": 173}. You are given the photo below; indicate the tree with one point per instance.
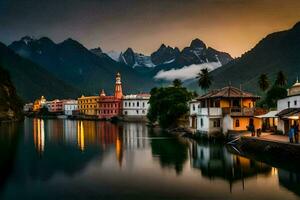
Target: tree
{"x": 281, "y": 79}
{"x": 263, "y": 82}
{"x": 204, "y": 79}
{"x": 177, "y": 83}
{"x": 168, "y": 105}
{"x": 273, "y": 95}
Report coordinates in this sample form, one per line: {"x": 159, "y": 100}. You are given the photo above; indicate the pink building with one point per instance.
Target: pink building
{"x": 56, "y": 105}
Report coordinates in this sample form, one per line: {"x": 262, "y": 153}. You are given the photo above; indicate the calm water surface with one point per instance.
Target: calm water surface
{"x": 64, "y": 159}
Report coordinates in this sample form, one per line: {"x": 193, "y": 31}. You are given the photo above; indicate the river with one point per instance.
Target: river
{"x": 65, "y": 159}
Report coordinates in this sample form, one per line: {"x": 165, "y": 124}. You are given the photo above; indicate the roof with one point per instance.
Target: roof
{"x": 288, "y": 112}
{"x": 228, "y": 92}
{"x": 271, "y": 114}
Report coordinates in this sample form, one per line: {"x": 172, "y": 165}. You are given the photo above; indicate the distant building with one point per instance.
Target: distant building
{"x": 289, "y": 108}
{"x": 56, "y": 105}
{"x": 39, "y": 103}
{"x": 223, "y": 110}
{"x": 88, "y": 105}
{"x": 111, "y": 106}
{"x": 135, "y": 106}
{"x": 28, "y": 107}
{"x": 70, "y": 107}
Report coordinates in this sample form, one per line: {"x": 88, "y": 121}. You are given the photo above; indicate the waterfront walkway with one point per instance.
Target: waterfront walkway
{"x": 270, "y": 137}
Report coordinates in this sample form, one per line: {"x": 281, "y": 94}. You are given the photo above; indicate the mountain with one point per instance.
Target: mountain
{"x": 165, "y": 54}
{"x": 10, "y": 103}
{"x": 32, "y": 80}
{"x": 88, "y": 70}
{"x": 277, "y": 51}
{"x": 98, "y": 51}
{"x": 166, "y": 57}
{"x": 133, "y": 59}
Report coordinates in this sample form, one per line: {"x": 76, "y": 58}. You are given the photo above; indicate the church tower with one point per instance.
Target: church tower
{"x": 118, "y": 87}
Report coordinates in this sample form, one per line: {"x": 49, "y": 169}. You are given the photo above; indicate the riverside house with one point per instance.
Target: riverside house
{"x": 111, "y": 106}
{"x": 135, "y": 106}
{"x": 88, "y": 105}
{"x": 223, "y": 110}
{"x": 289, "y": 109}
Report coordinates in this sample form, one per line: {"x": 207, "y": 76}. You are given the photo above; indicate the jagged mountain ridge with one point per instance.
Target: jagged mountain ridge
{"x": 196, "y": 53}
{"x": 88, "y": 70}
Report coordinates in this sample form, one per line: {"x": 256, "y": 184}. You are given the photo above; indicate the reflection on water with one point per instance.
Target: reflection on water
{"x": 215, "y": 161}
{"x": 64, "y": 159}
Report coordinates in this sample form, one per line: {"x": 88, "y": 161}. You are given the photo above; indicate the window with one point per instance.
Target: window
{"x": 137, "y": 111}
{"x": 138, "y": 104}
{"x": 143, "y": 104}
{"x": 289, "y": 104}
{"x": 125, "y": 112}
{"x": 133, "y": 104}
{"x": 295, "y": 102}
{"x": 217, "y": 123}
{"x": 125, "y": 104}
{"x": 237, "y": 123}
{"x": 129, "y": 104}
{"x": 201, "y": 122}
{"x": 143, "y": 111}
{"x": 194, "y": 107}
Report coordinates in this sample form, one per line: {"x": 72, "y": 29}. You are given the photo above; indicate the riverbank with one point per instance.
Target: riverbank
{"x": 268, "y": 151}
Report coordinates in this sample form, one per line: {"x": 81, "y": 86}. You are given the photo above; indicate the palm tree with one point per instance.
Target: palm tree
{"x": 177, "y": 83}
{"x": 204, "y": 79}
{"x": 281, "y": 79}
{"x": 263, "y": 82}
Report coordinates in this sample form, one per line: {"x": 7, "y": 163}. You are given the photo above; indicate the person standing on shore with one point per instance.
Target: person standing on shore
{"x": 291, "y": 134}
{"x": 296, "y": 130}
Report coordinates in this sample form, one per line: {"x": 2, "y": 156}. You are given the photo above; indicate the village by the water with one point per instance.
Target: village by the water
{"x": 225, "y": 112}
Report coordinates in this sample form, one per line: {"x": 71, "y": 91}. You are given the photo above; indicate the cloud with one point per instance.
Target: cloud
{"x": 187, "y": 72}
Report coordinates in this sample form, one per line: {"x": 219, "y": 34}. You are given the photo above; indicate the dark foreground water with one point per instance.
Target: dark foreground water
{"x": 63, "y": 159}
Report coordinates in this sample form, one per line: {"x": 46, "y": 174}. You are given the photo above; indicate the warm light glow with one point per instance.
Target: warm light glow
{"x": 293, "y": 117}
{"x": 80, "y": 135}
{"x": 39, "y": 135}
{"x": 119, "y": 150}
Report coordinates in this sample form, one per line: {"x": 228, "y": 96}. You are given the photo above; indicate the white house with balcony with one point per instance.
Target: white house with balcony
{"x": 194, "y": 105}
{"x": 289, "y": 109}
{"x": 223, "y": 110}
{"x": 70, "y": 106}
{"x": 135, "y": 106}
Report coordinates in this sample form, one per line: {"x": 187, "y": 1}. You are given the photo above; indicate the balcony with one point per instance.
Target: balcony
{"x": 238, "y": 111}
{"x": 210, "y": 111}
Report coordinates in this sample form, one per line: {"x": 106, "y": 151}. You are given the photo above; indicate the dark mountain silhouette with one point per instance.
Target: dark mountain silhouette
{"x": 32, "y": 80}
{"x": 278, "y": 51}
{"x": 84, "y": 69}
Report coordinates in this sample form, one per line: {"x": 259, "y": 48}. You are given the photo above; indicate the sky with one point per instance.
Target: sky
{"x": 233, "y": 26}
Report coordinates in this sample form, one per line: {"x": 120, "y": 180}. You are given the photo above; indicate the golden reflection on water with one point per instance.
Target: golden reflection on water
{"x": 80, "y": 135}
{"x": 39, "y": 135}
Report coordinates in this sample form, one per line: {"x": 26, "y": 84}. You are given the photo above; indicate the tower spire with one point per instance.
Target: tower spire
{"x": 118, "y": 87}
